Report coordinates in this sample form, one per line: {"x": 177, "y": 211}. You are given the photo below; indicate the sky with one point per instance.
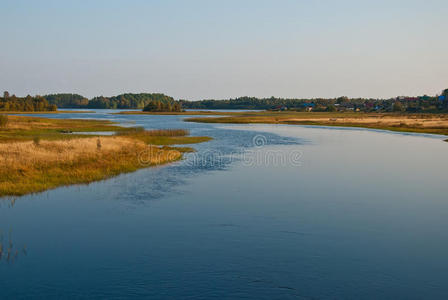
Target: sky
{"x": 203, "y": 49}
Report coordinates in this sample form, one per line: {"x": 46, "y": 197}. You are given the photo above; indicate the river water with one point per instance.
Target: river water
{"x": 259, "y": 212}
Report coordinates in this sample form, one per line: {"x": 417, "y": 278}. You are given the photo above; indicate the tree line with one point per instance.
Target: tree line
{"x": 134, "y": 101}
{"x": 159, "y": 106}
{"x": 158, "y": 102}
{"x": 424, "y": 103}
{"x": 67, "y": 100}
{"x": 151, "y": 102}
{"x": 28, "y": 103}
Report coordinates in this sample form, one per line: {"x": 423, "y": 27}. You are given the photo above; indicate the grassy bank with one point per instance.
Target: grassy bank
{"x": 47, "y": 112}
{"x": 165, "y": 137}
{"x": 175, "y": 113}
{"x": 20, "y": 128}
{"x": 36, "y": 154}
{"x": 421, "y": 123}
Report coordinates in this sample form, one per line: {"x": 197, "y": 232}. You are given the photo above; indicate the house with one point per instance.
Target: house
{"x": 308, "y": 106}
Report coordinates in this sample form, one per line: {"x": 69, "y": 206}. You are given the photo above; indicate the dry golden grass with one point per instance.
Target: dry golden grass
{"x": 36, "y": 154}
{"x": 21, "y": 128}
{"x": 27, "y": 167}
{"x": 423, "y": 123}
{"x": 164, "y": 136}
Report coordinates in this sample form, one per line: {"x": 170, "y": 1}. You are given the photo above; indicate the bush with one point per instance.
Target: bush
{"x": 36, "y": 141}
{"x": 3, "y": 121}
{"x": 397, "y": 107}
{"x": 331, "y": 108}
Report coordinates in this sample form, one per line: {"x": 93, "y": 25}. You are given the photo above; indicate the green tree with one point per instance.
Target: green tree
{"x": 342, "y": 100}
{"x": 151, "y": 106}
{"x": 331, "y": 108}
{"x": 397, "y": 106}
{"x": 445, "y": 93}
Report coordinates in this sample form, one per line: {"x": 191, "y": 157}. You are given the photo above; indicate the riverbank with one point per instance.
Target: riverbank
{"x": 38, "y": 154}
{"x": 47, "y": 112}
{"x": 421, "y": 123}
{"x": 175, "y": 113}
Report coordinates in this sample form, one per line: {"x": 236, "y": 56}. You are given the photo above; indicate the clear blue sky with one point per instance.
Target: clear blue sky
{"x": 220, "y": 49}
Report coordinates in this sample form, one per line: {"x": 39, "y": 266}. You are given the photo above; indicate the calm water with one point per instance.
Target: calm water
{"x": 260, "y": 212}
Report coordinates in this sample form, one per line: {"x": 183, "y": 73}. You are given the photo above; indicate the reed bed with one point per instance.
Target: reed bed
{"x": 163, "y": 136}
{"x": 27, "y": 167}
{"x": 155, "y": 132}
{"x": 36, "y": 154}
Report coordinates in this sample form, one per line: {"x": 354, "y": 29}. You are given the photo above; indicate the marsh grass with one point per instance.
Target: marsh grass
{"x": 26, "y": 167}
{"x": 42, "y": 157}
{"x": 9, "y": 252}
{"x": 154, "y": 132}
{"x": 164, "y": 136}
{"x": 185, "y": 113}
{"x": 421, "y": 123}
{"x": 22, "y": 128}
{"x": 3, "y": 121}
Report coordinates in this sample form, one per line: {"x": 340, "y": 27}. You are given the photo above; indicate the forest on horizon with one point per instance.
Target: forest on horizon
{"x": 159, "y": 102}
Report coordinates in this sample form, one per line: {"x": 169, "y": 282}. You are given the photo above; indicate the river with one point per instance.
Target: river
{"x": 259, "y": 212}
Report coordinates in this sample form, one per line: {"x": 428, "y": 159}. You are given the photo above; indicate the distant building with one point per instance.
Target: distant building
{"x": 280, "y": 108}
{"x": 308, "y": 106}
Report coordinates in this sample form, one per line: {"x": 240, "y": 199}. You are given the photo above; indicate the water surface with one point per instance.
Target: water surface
{"x": 260, "y": 212}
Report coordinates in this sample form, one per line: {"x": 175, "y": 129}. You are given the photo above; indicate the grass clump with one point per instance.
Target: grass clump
{"x": 164, "y": 136}
{"x": 3, "y": 121}
{"x": 36, "y": 141}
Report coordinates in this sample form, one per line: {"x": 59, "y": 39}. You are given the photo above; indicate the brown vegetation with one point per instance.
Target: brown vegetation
{"x": 36, "y": 154}
{"x": 31, "y": 167}
{"x": 423, "y": 123}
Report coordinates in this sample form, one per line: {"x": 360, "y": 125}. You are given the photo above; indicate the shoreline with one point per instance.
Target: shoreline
{"x": 174, "y": 113}
{"x": 417, "y": 123}
{"x": 46, "y": 112}
{"x": 38, "y": 155}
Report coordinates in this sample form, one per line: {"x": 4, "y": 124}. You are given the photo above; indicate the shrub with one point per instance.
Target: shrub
{"x": 397, "y": 107}
{"x": 331, "y": 108}
{"x": 36, "y": 141}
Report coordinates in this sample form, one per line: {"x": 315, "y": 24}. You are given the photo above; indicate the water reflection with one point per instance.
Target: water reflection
{"x": 8, "y": 202}
{"x": 9, "y": 251}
